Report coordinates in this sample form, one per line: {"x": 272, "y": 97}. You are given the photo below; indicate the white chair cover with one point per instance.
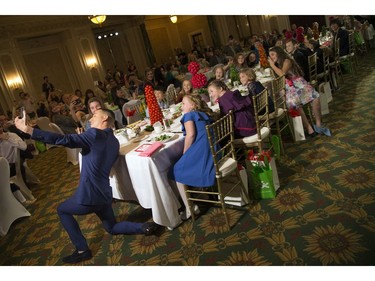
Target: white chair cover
{"x": 10, "y": 208}
{"x": 18, "y": 180}
{"x": 71, "y": 153}
{"x": 43, "y": 124}
{"x": 133, "y": 105}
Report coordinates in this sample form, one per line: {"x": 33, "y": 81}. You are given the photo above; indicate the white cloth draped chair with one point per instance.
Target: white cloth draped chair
{"x": 18, "y": 179}
{"x": 130, "y": 106}
{"x": 71, "y": 153}
{"x": 43, "y": 124}
{"x": 10, "y": 208}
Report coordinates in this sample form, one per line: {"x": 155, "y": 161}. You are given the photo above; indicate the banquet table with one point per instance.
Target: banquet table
{"x": 145, "y": 179}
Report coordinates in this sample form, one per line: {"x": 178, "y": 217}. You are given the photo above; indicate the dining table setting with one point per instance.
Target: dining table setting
{"x": 146, "y": 155}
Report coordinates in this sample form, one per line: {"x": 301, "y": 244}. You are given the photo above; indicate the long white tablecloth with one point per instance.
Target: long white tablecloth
{"x": 153, "y": 189}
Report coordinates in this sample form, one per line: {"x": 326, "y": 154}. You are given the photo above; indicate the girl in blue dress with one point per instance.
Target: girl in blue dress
{"x": 196, "y": 166}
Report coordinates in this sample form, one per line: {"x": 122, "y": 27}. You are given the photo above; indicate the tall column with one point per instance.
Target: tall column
{"x": 138, "y": 49}
{"x": 222, "y": 29}
{"x": 147, "y": 44}
{"x": 213, "y": 30}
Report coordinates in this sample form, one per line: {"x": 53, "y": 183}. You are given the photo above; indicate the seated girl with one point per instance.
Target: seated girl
{"x": 244, "y": 124}
{"x": 187, "y": 89}
{"x": 196, "y": 166}
{"x": 254, "y": 87}
{"x": 298, "y": 91}
{"x": 219, "y": 73}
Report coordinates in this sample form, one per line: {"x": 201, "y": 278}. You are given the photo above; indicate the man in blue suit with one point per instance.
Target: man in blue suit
{"x": 100, "y": 150}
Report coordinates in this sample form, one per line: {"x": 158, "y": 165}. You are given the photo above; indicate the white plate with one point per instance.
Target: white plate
{"x": 170, "y": 137}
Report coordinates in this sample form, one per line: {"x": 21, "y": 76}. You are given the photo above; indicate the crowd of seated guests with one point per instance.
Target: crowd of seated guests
{"x": 119, "y": 86}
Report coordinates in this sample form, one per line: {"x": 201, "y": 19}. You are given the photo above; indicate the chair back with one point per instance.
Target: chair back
{"x": 351, "y": 44}
{"x": 10, "y": 208}
{"x": 220, "y": 136}
{"x": 43, "y": 124}
{"x": 278, "y": 94}
{"x": 18, "y": 179}
{"x": 313, "y": 69}
{"x": 130, "y": 106}
{"x": 336, "y": 50}
{"x": 56, "y": 128}
{"x": 326, "y": 55}
{"x": 261, "y": 112}
{"x": 71, "y": 153}
{"x": 171, "y": 94}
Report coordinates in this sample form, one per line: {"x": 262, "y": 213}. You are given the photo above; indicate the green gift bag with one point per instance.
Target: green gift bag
{"x": 345, "y": 66}
{"x": 263, "y": 184}
{"x": 261, "y": 177}
{"x": 40, "y": 146}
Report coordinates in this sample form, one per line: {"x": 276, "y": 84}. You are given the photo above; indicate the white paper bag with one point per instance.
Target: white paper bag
{"x": 275, "y": 175}
{"x": 323, "y": 97}
{"x": 327, "y": 90}
{"x": 299, "y": 133}
{"x": 237, "y": 198}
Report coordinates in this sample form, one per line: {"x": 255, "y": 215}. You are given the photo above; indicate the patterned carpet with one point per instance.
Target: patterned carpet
{"x": 323, "y": 213}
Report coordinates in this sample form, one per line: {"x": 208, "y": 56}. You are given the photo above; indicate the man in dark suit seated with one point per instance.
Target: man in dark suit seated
{"x": 342, "y": 34}
{"x": 100, "y": 149}
{"x": 291, "y": 46}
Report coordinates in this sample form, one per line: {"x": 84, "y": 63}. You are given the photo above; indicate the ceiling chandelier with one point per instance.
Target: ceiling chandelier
{"x": 173, "y": 19}
{"x": 97, "y": 19}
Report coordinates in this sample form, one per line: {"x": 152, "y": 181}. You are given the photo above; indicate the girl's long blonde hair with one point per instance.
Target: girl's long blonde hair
{"x": 201, "y": 105}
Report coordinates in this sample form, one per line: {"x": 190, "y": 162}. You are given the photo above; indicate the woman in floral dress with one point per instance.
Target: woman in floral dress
{"x": 298, "y": 91}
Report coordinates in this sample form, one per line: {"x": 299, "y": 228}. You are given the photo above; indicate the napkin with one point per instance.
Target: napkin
{"x": 150, "y": 150}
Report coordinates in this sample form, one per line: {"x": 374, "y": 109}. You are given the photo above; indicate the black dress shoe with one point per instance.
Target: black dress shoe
{"x": 78, "y": 257}
{"x": 150, "y": 228}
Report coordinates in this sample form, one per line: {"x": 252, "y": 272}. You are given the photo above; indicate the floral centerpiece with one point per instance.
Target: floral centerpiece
{"x": 262, "y": 57}
{"x": 153, "y": 107}
{"x": 233, "y": 74}
{"x": 193, "y": 67}
{"x": 199, "y": 80}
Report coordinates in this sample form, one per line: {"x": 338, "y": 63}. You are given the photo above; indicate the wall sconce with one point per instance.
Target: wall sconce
{"x": 173, "y": 19}
{"x": 15, "y": 82}
{"x": 97, "y": 19}
{"x": 91, "y": 62}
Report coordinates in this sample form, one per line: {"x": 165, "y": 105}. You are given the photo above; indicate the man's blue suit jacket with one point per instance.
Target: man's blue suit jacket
{"x": 100, "y": 149}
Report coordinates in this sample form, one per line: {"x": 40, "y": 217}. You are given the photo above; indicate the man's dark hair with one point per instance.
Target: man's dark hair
{"x": 111, "y": 117}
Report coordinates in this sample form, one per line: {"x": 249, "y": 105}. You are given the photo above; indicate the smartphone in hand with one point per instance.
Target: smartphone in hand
{"x": 22, "y": 112}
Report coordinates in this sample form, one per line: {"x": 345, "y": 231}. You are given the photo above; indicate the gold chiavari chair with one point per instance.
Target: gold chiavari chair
{"x": 220, "y": 136}
{"x": 279, "y": 119}
{"x": 262, "y": 119}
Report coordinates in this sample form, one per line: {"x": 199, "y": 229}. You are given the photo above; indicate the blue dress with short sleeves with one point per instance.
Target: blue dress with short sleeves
{"x": 196, "y": 166}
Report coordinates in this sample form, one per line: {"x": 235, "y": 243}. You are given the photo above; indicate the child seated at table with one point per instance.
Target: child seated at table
{"x": 196, "y": 166}
{"x": 160, "y": 97}
{"x": 187, "y": 89}
{"x": 248, "y": 78}
{"x": 242, "y": 107}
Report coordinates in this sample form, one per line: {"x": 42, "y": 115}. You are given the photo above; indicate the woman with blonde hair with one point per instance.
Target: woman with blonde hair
{"x": 196, "y": 166}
